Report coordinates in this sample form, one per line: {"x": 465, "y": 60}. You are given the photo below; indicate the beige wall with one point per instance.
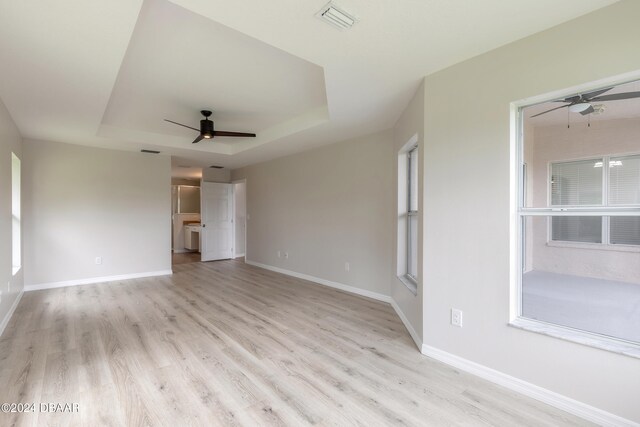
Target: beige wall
{"x": 467, "y": 205}
{"x": 559, "y": 143}
{"x": 10, "y": 142}
{"x": 83, "y": 202}
{"x": 216, "y": 175}
{"x": 410, "y": 123}
{"x": 325, "y": 207}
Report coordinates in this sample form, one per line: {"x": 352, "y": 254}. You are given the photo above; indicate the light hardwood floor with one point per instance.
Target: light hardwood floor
{"x": 224, "y": 343}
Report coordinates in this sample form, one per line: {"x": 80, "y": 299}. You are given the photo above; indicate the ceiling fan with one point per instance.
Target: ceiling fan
{"x": 581, "y": 103}
{"x": 207, "y": 131}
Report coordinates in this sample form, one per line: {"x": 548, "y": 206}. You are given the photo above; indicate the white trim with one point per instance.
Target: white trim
{"x": 336, "y": 285}
{"x": 407, "y": 324}
{"x": 238, "y": 255}
{"x": 9, "y": 314}
{"x": 549, "y": 397}
{"x": 591, "y": 339}
{"x": 91, "y": 280}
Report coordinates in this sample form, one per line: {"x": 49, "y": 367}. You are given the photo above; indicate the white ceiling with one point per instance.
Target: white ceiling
{"x": 107, "y": 73}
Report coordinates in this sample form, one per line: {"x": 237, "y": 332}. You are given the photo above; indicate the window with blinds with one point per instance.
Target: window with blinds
{"x": 16, "y": 252}
{"x": 624, "y": 180}
{"x": 580, "y": 183}
{"x": 576, "y": 183}
{"x": 412, "y": 214}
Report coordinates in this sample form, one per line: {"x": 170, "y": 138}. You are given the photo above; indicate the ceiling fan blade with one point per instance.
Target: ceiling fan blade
{"x": 591, "y": 95}
{"x": 198, "y": 139}
{"x": 588, "y": 110}
{"x": 585, "y": 96}
{"x": 548, "y": 111}
{"x": 225, "y": 133}
{"x": 617, "y": 96}
{"x": 180, "y": 124}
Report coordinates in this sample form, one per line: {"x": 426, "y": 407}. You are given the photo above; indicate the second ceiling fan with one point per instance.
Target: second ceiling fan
{"x": 581, "y": 103}
{"x": 207, "y": 130}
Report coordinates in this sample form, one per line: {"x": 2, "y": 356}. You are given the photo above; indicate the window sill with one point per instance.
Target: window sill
{"x": 410, "y": 284}
{"x": 594, "y": 246}
{"x": 580, "y": 337}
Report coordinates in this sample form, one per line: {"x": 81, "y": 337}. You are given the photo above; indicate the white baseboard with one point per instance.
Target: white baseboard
{"x": 7, "y": 317}
{"x": 238, "y": 255}
{"x": 91, "y": 280}
{"x": 407, "y": 324}
{"x": 549, "y": 397}
{"x": 336, "y": 285}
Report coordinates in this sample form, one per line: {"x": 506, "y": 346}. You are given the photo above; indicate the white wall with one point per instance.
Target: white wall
{"x": 84, "y": 202}
{"x": 559, "y": 143}
{"x": 467, "y": 205}
{"x": 326, "y": 207}
{"x": 410, "y": 123}
{"x": 240, "y": 212}
{"x": 10, "y": 285}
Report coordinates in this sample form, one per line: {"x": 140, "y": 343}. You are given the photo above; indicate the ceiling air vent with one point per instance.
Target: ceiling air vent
{"x": 335, "y": 16}
{"x": 150, "y": 151}
{"x": 216, "y": 167}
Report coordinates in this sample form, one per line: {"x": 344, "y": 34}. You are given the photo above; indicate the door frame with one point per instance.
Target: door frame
{"x": 239, "y": 181}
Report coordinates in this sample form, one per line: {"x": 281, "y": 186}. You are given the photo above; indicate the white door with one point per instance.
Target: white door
{"x": 216, "y": 233}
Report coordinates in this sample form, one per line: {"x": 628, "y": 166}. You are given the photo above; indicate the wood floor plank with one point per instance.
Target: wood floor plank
{"x": 228, "y": 344}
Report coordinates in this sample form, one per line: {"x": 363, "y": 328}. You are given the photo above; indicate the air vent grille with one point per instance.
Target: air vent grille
{"x": 335, "y": 16}
{"x": 216, "y": 167}
{"x": 150, "y": 151}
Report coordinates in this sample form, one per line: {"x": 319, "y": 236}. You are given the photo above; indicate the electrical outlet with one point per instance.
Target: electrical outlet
{"x": 279, "y": 254}
{"x": 456, "y": 317}
{"x": 347, "y": 267}
{"x": 286, "y": 255}
{"x": 98, "y": 260}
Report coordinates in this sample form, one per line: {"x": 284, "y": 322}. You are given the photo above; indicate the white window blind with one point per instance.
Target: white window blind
{"x": 624, "y": 180}
{"x": 413, "y": 180}
{"x": 586, "y": 229}
{"x": 412, "y": 210}
{"x": 624, "y": 230}
{"x": 576, "y": 183}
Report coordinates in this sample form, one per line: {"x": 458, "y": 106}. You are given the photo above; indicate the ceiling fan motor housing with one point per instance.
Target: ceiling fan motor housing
{"x": 206, "y": 128}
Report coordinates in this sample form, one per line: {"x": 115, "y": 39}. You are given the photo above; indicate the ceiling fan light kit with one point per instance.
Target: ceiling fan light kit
{"x": 578, "y": 108}
{"x": 207, "y": 131}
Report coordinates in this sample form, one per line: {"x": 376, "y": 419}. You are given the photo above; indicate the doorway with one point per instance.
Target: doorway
{"x": 185, "y": 221}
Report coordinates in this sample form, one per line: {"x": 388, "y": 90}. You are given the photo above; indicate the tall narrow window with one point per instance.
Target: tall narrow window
{"x": 412, "y": 214}
{"x": 15, "y": 213}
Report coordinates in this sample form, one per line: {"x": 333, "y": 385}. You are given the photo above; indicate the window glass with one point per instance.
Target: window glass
{"x": 624, "y": 180}
{"x": 586, "y": 229}
{"x": 625, "y": 230}
{"x": 16, "y": 260}
{"x": 576, "y": 183}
